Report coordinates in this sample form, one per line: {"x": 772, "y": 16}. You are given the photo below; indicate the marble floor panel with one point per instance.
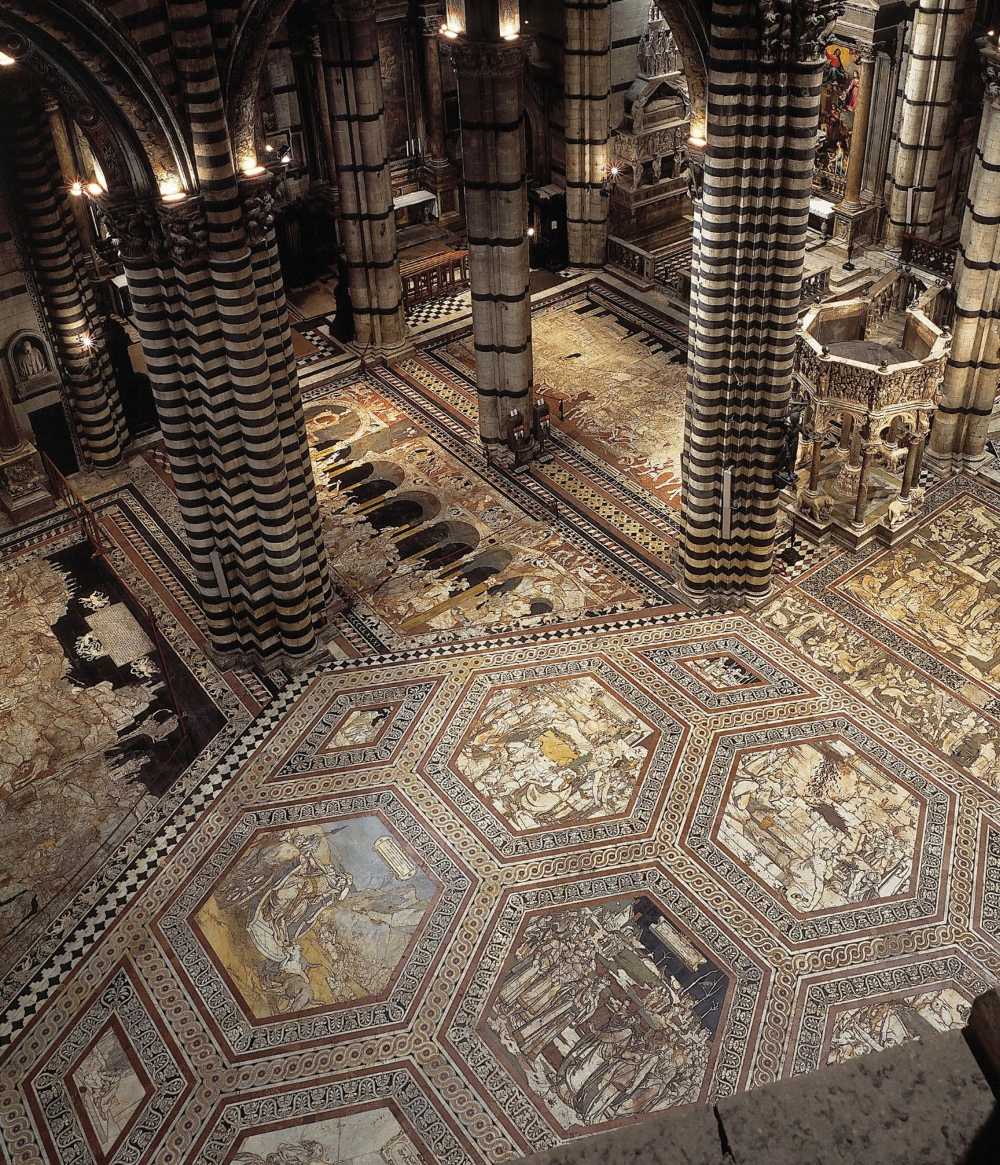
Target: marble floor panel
{"x": 614, "y": 375}
{"x": 537, "y": 853}
{"x": 431, "y": 544}
{"x": 469, "y": 901}
{"x": 92, "y": 757}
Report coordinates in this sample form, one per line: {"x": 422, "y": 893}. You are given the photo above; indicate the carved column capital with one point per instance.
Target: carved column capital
{"x": 430, "y": 21}
{"x": 991, "y": 70}
{"x": 796, "y": 31}
{"x": 257, "y": 195}
{"x": 134, "y": 227}
{"x": 185, "y": 230}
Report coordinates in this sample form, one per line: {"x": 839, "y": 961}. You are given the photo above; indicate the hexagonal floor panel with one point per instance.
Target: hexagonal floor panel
{"x": 603, "y": 1009}
{"x": 821, "y": 828}
{"x": 315, "y": 920}
{"x": 576, "y": 751}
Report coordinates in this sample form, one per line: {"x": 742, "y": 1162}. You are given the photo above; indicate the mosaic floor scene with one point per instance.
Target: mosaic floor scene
{"x": 539, "y": 852}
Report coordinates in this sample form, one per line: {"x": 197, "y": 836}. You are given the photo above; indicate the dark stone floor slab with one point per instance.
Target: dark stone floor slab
{"x": 923, "y": 1103}
{"x": 686, "y": 1136}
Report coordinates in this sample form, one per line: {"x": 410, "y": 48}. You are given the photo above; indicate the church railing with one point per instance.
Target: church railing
{"x": 927, "y": 256}
{"x": 436, "y": 275}
{"x": 814, "y": 287}
{"x": 635, "y": 264}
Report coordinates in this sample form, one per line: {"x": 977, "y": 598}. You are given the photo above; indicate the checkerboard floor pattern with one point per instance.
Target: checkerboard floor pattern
{"x": 444, "y": 306}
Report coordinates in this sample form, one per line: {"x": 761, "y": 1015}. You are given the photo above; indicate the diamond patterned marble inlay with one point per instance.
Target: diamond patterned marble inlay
{"x": 367, "y": 726}
{"x": 373, "y": 1137}
{"x": 107, "y": 1090}
{"x": 723, "y": 672}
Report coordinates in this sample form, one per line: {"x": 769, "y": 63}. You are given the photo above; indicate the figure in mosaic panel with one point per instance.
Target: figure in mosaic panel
{"x": 373, "y": 1137}
{"x": 821, "y": 825}
{"x": 316, "y": 915}
{"x": 871, "y": 1027}
{"x": 109, "y": 1089}
{"x": 722, "y": 672}
{"x": 943, "y": 587}
{"x": 898, "y": 688}
{"x": 568, "y": 750}
{"x": 360, "y": 726}
{"x": 607, "y": 1011}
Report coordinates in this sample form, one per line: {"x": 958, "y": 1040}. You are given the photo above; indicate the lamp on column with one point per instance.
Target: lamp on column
{"x": 609, "y": 179}
{"x": 90, "y": 344}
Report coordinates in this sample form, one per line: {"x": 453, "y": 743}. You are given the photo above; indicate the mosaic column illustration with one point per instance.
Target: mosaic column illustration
{"x": 367, "y": 218}
{"x": 489, "y": 62}
{"x": 51, "y": 237}
{"x": 764, "y": 86}
{"x": 587, "y": 57}
{"x": 939, "y": 28}
{"x": 225, "y": 385}
{"x": 961, "y": 427}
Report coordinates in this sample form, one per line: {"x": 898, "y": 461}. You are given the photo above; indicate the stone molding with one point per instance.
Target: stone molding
{"x": 487, "y": 58}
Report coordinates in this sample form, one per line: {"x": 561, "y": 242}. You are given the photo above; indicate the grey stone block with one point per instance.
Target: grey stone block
{"x": 922, "y": 1103}
{"x": 686, "y": 1136}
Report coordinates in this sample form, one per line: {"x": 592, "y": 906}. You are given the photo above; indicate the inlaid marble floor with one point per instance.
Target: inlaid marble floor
{"x": 483, "y": 892}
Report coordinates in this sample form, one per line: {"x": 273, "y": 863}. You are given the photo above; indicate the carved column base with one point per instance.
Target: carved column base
{"x": 946, "y": 463}
{"x": 24, "y": 489}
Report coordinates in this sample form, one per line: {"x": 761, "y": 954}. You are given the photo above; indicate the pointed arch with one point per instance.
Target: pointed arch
{"x": 106, "y": 84}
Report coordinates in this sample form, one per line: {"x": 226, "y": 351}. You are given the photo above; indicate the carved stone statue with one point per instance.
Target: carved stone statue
{"x": 29, "y": 359}
{"x": 784, "y": 473}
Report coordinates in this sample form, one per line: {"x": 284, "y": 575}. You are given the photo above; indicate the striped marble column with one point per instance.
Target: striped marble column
{"x": 211, "y": 319}
{"x": 54, "y": 245}
{"x": 587, "y": 88}
{"x": 258, "y": 219}
{"x": 367, "y": 218}
{"x": 939, "y": 28}
{"x": 491, "y": 106}
{"x": 764, "y": 81}
{"x": 958, "y": 439}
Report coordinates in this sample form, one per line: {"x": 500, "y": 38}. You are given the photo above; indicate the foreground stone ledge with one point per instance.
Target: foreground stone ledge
{"x": 925, "y": 1102}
